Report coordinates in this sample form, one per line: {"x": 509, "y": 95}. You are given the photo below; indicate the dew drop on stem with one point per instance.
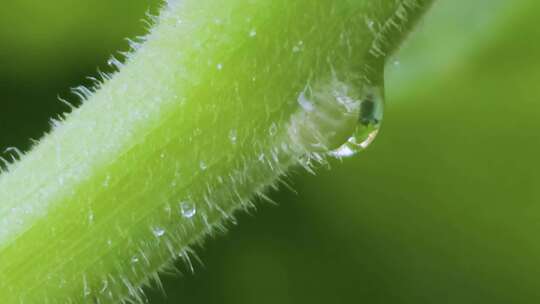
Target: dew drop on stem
{"x": 369, "y": 123}
{"x": 336, "y": 117}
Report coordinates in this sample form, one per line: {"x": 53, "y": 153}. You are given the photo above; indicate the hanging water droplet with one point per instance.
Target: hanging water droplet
{"x": 158, "y": 231}
{"x": 369, "y": 122}
{"x": 188, "y": 209}
{"x": 336, "y": 117}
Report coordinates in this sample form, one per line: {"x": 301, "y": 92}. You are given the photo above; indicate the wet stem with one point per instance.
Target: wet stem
{"x": 209, "y": 110}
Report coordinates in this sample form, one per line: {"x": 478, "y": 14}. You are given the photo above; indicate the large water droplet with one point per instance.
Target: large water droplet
{"x": 337, "y": 118}
{"x": 188, "y": 209}
{"x": 369, "y": 122}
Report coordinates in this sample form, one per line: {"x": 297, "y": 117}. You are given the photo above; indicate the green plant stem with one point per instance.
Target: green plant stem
{"x": 193, "y": 127}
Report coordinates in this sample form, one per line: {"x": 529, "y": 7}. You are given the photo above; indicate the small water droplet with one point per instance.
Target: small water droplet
{"x": 219, "y": 66}
{"x": 253, "y": 33}
{"x": 188, "y": 209}
{"x": 158, "y": 231}
{"x": 371, "y": 25}
{"x": 203, "y": 165}
{"x": 298, "y": 47}
{"x": 134, "y": 259}
{"x": 233, "y": 136}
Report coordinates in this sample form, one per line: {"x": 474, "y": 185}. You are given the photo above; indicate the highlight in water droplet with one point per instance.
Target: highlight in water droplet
{"x": 188, "y": 209}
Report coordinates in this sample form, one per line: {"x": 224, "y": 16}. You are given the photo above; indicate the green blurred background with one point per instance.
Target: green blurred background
{"x": 443, "y": 208}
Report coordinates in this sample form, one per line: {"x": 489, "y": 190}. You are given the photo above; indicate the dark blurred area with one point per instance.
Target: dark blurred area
{"x": 443, "y": 208}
